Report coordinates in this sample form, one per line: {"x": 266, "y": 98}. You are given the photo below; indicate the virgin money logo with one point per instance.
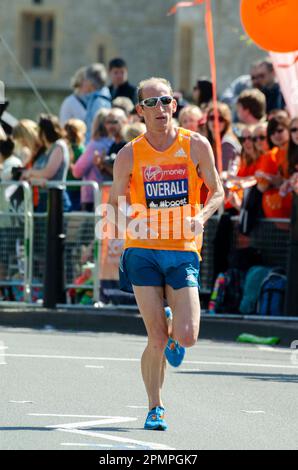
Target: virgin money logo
{"x": 153, "y": 173}
{"x": 165, "y": 172}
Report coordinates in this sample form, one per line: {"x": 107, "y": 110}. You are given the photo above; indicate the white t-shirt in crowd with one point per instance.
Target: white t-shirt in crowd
{"x": 72, "y": 108}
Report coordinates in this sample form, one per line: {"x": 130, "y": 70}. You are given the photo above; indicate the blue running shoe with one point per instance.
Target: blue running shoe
{"x": 155, "y": 420}
{"x": 173, "y": 352}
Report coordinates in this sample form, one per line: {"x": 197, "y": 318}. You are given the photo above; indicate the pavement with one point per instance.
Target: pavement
{"x": 128, "y": 321}
{"x": 83, "y": 390}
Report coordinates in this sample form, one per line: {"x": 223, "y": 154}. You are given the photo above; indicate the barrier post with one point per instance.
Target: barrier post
{"x": 54, "y": 281}
{"x": 291, "y": 303}
{"x": 28, "y": 242}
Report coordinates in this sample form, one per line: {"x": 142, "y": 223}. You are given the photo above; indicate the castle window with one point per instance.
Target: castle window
{"x": 38, "y": 45}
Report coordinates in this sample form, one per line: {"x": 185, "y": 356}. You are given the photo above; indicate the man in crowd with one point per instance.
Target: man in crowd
{"x": 251, "y": 106}
{"x": 98, "y": 94}
{"x": 120, "y": 85}
{"x": 269, "y": 85}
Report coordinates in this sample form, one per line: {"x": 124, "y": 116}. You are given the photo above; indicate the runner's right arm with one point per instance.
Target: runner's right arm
{"x": 121, "y": 174}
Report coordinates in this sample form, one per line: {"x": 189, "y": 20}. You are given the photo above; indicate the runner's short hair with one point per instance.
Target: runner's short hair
{"x": 152, "y": 81}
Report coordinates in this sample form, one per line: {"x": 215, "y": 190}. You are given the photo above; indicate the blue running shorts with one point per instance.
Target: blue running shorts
{"x": 146, "y": 267}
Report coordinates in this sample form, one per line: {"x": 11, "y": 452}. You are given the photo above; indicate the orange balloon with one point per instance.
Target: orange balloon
{"x": 271, "y": 24}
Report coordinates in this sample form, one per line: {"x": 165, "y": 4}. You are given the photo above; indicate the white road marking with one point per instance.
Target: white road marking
{"x": 78, "y": 358}
{"x": 127, "y": 359}
{"x": 73, "y": 416}
{"x": 79, "y": 444}
{"x": 253, "y": 411}
{"x": 20, "y": 401}
{"x": 138, "y": 407}
{"x": 88, "y": 424}
{"x": 147, "y": 445}
{"x": 75, "y": 429}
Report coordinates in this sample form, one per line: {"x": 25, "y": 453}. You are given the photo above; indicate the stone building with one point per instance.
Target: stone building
{"x": 50, "y": 39}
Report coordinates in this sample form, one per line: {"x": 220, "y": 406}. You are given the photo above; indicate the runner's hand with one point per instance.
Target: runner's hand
{"x": 195, "y": 224}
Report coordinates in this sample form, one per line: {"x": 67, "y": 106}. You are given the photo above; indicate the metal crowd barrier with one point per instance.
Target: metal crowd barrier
{"x": 24, "y": 244}
{"x": 16, "y": 239}
{"x": 270, "y": 236}
{"x": 81, "y": 246}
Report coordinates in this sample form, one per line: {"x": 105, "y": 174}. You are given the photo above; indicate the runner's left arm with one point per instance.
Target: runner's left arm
{"x": 203, "y": 157}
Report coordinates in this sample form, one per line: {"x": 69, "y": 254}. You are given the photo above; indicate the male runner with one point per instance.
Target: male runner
{"x": 165, "y": 169}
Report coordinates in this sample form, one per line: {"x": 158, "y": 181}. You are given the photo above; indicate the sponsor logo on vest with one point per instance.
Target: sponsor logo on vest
{"x": 158, "y": 173}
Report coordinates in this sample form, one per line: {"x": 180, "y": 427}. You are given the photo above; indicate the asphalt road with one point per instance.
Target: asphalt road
{"x": 63, "y": 390}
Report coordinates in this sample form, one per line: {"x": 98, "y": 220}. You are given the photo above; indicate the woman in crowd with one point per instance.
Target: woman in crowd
{"x": 75, "y": 136}
{"x": 276, "y": 169}
{"x": 245, "y": 176}
{"x": 84, "y": 168}
{"x": 202, "y": 93}
{"x": 291, "y": 184}
{"x": 30, "y": 149}
{"x": 229, "y": 142}
{"x": 57, "y": 158}
{"x": 28, "y": 144}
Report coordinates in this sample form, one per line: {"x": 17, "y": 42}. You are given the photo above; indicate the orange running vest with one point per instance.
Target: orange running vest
{"x": 167, "y": 186}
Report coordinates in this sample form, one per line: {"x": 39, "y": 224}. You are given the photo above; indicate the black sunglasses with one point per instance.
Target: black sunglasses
{"x": 243, "y": 139}
{"x": 294, "y": 129}
{"x": 259, "y": 137}
{"x": 278, "y": 131}
{"x": 212, "y": 118}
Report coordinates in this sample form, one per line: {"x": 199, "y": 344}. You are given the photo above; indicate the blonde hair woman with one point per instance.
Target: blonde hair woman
{"x": 28, "y": 144}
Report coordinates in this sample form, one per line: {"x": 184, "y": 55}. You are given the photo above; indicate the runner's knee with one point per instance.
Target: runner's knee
{"x": 157, "y": 340}
{"x": 187, "y": 338}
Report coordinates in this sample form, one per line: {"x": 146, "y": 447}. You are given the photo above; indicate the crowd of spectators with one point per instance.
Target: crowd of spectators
{"x": 259, "y": 141}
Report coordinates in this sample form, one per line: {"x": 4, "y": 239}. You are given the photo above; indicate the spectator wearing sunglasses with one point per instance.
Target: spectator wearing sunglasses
{"x": 246, "y": 172}
{"x": 115, "y": 122}
{"x": 84, "y": 167}
{"x": 229, "y": 142}
{"x": 292, "y": 183}
{"x": 266, "y": 158}
{"x": 251, "y": 106}
{"x": 275, "y": 204}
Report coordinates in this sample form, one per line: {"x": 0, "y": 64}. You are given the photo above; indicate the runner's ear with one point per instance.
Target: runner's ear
{"x": 139, "y": 109}
{"x": 174, "y": 105}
